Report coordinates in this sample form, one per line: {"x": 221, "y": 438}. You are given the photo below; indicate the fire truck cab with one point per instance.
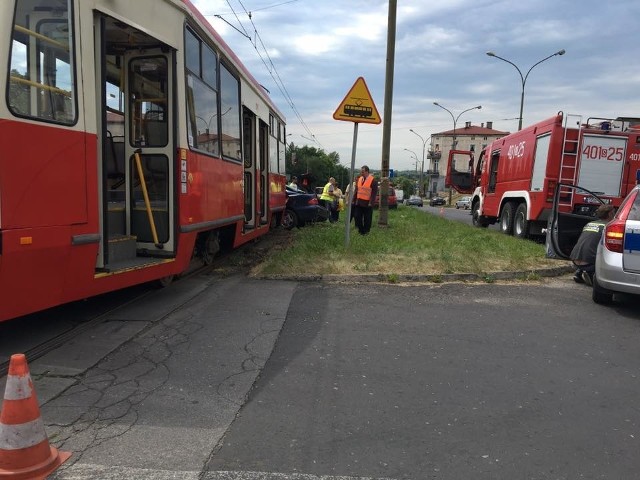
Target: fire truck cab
{"x": 513, "y": 180}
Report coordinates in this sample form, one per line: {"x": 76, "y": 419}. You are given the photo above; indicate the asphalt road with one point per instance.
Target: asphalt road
{"x": 229, "y": 378}
{"x": 452, "y": 213}
{"x": 450, "y": 382}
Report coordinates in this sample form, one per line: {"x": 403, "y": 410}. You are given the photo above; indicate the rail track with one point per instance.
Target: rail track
{"x": 226, "y": 261}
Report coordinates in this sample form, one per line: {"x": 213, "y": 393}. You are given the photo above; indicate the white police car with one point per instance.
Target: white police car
{"x": 617, "y": 267}
{"x": 618, "y": 257}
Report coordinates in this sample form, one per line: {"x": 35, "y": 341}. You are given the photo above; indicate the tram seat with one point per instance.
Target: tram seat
{"x": 114, "y": 157}
{"x": 155, "y": 128}
{"x": 110, "y": 157}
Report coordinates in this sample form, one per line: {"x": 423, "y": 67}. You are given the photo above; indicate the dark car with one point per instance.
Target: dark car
{"x": 415, "y": 200}
{"x": 302, "y": 208}
{"x": 435, "y": 201}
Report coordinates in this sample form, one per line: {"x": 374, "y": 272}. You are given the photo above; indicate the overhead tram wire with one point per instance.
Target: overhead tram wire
{"x": 267, "y": 7}
{"x": 271, "y": 68}
{"x": 279, "y": 80}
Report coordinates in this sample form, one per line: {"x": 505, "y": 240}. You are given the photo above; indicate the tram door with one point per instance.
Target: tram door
{"x": 251, "y": 172}
{"x": 137, "y": 144}
{"x": 263, "y": 162}
{"x": 149, "y": 149}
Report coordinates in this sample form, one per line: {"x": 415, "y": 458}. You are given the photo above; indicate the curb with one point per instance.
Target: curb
{"x": 488, "y": 277}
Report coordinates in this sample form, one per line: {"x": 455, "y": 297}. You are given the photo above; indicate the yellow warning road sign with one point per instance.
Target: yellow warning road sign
{"x": 358, "y": 105}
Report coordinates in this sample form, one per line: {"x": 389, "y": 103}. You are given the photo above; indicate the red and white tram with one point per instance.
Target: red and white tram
{"x": 131, "y": 138}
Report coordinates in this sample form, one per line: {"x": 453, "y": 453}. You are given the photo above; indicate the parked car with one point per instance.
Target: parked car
{"x": 464, "y": 202}
{"x": 400, "y": 195}
{"x": 617, "y": 265}
{"x": 435, "y": 201}
{"x": 415, "y": 200}
{"x": 302, "y": 208}
{"x": 392, "y": 200}
{"x": 618, "y": 256}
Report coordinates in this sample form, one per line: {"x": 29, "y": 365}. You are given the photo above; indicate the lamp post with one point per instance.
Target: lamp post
{"x": 455, "y": 121}
{"x": 523, "y": 78}
{"x": 424, "y": 144}
{"x": 415, "y": 156}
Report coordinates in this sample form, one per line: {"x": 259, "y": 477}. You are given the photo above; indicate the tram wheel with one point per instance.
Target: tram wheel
{"x": 165, "y": 281}
{"x": 209, "y": 247}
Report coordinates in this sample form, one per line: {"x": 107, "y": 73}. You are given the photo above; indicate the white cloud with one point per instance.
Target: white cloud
{"x": 319, "y": 48}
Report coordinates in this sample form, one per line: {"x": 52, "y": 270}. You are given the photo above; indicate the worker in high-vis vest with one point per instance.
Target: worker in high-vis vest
{"x": 584, "y": 251}
{"x": 364, "y": 199}
{"x": 329, "y": 198}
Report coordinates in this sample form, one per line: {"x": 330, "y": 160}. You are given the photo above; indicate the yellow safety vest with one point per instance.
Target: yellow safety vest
{"x": 325, "y": 193}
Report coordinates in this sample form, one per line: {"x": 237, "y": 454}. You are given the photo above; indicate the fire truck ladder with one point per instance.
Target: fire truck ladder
{"x": 572, "y": 137}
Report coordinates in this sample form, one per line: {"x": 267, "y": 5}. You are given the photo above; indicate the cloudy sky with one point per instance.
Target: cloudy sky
{"x": 320, "y": 47}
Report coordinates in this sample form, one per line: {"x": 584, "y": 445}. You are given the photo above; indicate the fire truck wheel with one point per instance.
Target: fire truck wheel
{"x": 506, "y": 218}
{"x": 476, "y": 218}
{"x": 520, "y": 222}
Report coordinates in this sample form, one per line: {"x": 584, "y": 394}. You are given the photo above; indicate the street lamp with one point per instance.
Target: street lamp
{"x": 415, "y": 156}
{"x": 524, "y": 78}
{"x": 424, "y": 143}
{"x": 455, "y": 121}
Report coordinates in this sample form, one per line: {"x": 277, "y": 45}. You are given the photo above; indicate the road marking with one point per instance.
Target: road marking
{"x": 104, "y": 472}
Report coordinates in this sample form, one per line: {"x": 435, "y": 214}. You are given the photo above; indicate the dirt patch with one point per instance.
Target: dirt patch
{"x": 248, "y": 256}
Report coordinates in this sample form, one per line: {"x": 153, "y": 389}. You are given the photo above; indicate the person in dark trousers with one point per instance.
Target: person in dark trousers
{"x": 364, "y": 199}
{"x": 329, "y": 199}
{"x": 583, "y": 254}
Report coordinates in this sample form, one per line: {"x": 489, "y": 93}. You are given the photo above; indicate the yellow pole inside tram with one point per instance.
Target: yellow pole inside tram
{"x": 147, "y": 203}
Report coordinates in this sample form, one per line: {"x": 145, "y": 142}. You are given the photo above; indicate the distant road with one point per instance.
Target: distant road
{"x": 459, "y": 215}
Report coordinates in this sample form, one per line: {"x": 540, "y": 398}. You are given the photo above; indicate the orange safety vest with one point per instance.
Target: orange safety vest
{"x": 365, "y": 188}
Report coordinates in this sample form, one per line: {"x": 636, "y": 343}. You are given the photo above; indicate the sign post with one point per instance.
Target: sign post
{"x": 357, "y": 107}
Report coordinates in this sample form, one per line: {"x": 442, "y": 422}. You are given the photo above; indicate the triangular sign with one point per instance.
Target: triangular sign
{"x": 358, "y": 106}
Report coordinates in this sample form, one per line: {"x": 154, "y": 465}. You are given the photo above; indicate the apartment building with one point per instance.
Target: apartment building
{"x": 470, "y": 137}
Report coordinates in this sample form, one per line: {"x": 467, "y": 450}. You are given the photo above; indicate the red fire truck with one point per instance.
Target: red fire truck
{"x": 513, "y": 180}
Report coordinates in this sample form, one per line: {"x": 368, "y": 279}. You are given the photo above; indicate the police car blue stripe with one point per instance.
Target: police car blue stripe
{"x": 632, "y": 241}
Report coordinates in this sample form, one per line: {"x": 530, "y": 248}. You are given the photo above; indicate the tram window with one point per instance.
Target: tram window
{"x": 202, "y": 104}
{"x": 42, "y": 85}
{"x": 230, "y": 113}
{"x": 273, "y": 145}
{"x": 192, "y": 52}
{"x": 149, "y": 93}
{"x": 202, "y": 95}
{"x": 279, "y": 145}
{"x": 209, "y": 66}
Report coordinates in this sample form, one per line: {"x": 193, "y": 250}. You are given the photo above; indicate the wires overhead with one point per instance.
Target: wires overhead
{"x": 264, "y": 56}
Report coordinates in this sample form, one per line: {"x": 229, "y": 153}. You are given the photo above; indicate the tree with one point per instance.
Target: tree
{"x": 317, "y": 164}
{"x": 405, "y": 184}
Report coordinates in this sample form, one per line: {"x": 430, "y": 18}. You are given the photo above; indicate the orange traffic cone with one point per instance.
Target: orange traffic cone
{"x": 442, "y": 211}
{"x": 25, "y": 452}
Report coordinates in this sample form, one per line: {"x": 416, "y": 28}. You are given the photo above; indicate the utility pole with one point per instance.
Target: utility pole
{"x": 386, "y": 127}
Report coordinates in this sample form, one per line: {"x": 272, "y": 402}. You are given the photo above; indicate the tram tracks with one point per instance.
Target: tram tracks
{"x": 227, "y": 261}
